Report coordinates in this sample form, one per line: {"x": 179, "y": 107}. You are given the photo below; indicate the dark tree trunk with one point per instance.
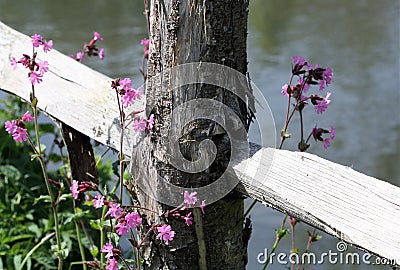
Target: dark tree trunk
{"x": 183, "y": 32}
{"x": 81, "y": 156}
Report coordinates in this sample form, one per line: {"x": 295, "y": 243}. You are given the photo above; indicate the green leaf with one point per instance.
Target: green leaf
{"x": 42, "y": 147}
{"x": 317, "y": 237}
{"x": 45, "y": 198}
{"x": 286, "y": 134}
{"x": 17, "y": 261}
{"x": 94, "y": 250}
{"x": 65, "y": 196}
{"x": 294, "y": 251}
{"x": 46, "y": 128}
{"x": 281, "y": 234}
{"x": 35, "y": 229}
{"x": 113, "y": 237}
{"x": 54, "y": 157}
{"x": 34, "y": 156}
{"x": 34, "y": 102}
{"x": 10, "y": 172}
{"x": 95, "y": 224}
{"x": 115, "y": 167}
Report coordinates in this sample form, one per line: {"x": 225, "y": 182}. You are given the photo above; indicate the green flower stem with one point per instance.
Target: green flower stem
{"x": 78, "y": 236}
{"x": 102, "y": 231}
{"x": 44, "y": 239}
{"x": 277, "y": 240}
{"x": 46, "y": 179}
{"x": 103, "y": 235}
{"x": 293, "y": 241}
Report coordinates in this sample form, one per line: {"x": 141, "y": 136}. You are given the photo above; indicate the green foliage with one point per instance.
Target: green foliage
{"x": 27, "y": 224}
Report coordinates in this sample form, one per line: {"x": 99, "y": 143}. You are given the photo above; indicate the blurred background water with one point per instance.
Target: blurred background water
{"x": 359, "y": 40}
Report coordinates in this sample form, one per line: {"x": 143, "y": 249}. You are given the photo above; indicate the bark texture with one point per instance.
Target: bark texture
{"x": 81, "y": 156}
{"x": 184, "y": 32}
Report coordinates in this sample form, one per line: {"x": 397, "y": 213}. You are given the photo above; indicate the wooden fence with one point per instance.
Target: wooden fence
{"x": 358, "y": 209}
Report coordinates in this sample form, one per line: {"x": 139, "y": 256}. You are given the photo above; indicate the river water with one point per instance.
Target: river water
{"x": 358, "y": 39}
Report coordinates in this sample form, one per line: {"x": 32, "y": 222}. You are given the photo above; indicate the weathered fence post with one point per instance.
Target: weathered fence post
{"x": 183, "y": 32}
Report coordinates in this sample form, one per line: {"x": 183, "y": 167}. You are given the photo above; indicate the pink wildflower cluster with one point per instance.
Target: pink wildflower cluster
{"x": 307, "y": 77}
{"x": 38, "y": 40}
{"x": 37, "y": 69}
{"x": 17, "y": 127}
{"x": 128, "y": 96}
{"x": 165, "y": 233}
{"x": 127, "y": 221}
{"x": 112, "y": 255}
{"x": 90, "y": 49}
{"x": 317, "y": 134}
{"x": 77, "y": 188}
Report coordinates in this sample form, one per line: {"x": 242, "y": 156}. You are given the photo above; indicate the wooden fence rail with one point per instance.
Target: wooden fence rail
{"x": 361, "y": 210}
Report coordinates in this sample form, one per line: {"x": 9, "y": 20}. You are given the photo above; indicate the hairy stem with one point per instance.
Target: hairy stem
{"x": 46, "y": 178}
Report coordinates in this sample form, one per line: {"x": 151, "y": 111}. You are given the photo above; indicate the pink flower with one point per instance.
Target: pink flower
{"x": 138, "y": 93}
{"x": 47, "y": 46}
{"x": 188, "y": 219}
{"x": 35, "y": 78}
{"x": 139, "y": 124}
{"x": 101, "y": 54}
{"x": 322, "y": 105}
{"x": 97, "y": 36}
{"x": 74, "y": 189}
{"x": 107, "y": 248}
{"x": 284, "y": 90}
{"x": 10, "y": 126}
{"x": 129, "y": 97}
{"x": 165, "y": 233}
{"x": 299, "y": 61}
{"x": 122, "y": 229}
{"x": 203, "y": 204}
{"x": 112, "y": 264}
{"x": 36, "y": 40}
{"x": 43, "y": 67}
{"x": 326, "y": 143}
{"x": 306, "y": 86}
{"x": 133, "y": 219}
{"x": 321, "y": 85}
{"x": 327, "y": 75}
{"x": 126, "y": 84}
{"x": 13, "y": 63}
{"x": 189, "y": 199}
{"x": 27, "y": 117}
{"x": 114, "y": 209}
{"x": 17, "y": 129}
{"x": 24, "y": 61}
{"x": 80, "y": 56}
{"x": 98, "y": 201}
{"x": 145, "y": 42}
{"x": 20, "y": 134}
{"x": 150, "y": 122}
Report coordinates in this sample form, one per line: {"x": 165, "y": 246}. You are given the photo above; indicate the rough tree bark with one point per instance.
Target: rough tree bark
{"x": 184, "y": 32}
